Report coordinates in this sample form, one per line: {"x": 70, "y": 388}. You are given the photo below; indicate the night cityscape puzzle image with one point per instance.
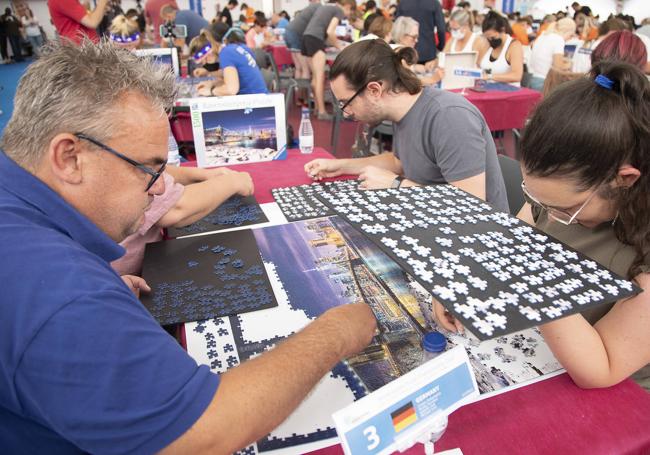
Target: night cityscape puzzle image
{"x": 205, "y": 277}
{"x": 240, "y": 135}
{"x": 493, "y": 272}
{"x": 300, "y": 202}
{"x": 314, "y": 265}
{"x": 234, "y": 212}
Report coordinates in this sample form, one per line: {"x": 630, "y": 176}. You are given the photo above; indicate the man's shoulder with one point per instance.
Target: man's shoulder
{"x": 436, "y": 100}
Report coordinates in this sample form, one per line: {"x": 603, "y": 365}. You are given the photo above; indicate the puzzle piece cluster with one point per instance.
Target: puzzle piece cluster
{"x": 239, "y": 289}
{"x": 300, "y": 202}
{"x": 492, "y": 271}
{"x": 236, "y": 211}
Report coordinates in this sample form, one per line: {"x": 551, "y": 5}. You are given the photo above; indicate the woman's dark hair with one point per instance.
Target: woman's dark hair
{"x": 586, "y": 132}
{"x": 260, "y": 21}
{"x": 612, "y": 25}
{"x": 374, "y": 60}
{"x": 495, "y": 21}
{"x": 234, "y": 35}
{"x": 368, "y": 21}
{"x": 284, "y": 14}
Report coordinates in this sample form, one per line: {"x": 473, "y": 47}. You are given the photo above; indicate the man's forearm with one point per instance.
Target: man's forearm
{"x": 386, "y": 161}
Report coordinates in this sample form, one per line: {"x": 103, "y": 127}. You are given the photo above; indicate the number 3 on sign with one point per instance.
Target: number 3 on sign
{"x": 373, "y": 437}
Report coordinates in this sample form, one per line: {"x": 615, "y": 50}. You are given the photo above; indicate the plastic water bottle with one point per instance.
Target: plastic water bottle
{"x": 433, "y": 344}
{"x": 173, "y": 158}
{"x": 306, "y": 133}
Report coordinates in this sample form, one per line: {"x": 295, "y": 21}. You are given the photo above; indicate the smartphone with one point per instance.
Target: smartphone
{"x": 173, "y": 30}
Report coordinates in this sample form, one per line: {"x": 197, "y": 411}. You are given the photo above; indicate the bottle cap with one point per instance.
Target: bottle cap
{"x": 434, "y": 342}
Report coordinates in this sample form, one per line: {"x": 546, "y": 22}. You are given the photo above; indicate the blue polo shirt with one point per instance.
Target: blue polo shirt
{"x": 241, "y": 57}
{"x": 83, "y": 366}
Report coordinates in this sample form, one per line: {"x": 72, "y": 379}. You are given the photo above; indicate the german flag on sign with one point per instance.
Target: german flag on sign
{"x": 403, "y": 417}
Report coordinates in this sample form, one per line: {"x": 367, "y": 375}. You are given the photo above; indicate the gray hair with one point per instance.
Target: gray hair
{"x": 402, "y": 26}
{"x": 463, "y": 17}
{"x": 78, "y": 88}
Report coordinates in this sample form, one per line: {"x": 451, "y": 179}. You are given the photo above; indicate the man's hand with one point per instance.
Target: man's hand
{"x": 444, "y": 318}
{"x": 199, "y": 72}
{"x": 322, "y": 168}
{"x": 136, "y": 284}
{"x": 375, "y": 178}
{"x": 356, "y": 325}
{"x": 205, "y": 88}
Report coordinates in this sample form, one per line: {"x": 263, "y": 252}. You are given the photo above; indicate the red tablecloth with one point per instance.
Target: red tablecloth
{"x": 504, "y": 110}
{"x": 278, "y": 174}
{"x": 549, "y": 417}
{"x": 281, "y": 54}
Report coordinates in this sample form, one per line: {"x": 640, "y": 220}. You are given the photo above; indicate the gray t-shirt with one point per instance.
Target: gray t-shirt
{"x": 300, "y": 21}
{"x": 321, "y": 20}
{"x": 444, "y": 138}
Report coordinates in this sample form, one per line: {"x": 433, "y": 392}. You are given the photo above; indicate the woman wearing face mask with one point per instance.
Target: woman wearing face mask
{"x": 204, "y": 51}
{"x": 463, "y": 39}
{"x": 586, "y": 176}
{"x": 548, "y": 51}
{"x": 241, "y": 75}
{"x": 501, "y": 57}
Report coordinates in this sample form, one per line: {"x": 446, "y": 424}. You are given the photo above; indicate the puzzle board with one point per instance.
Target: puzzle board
{"x": 204, "y": 277}
{"x": 300, "y": 202}
{"x": 236, "y": 211}
{"x": 493, "y": 272}
{"x": 308, "y": 260}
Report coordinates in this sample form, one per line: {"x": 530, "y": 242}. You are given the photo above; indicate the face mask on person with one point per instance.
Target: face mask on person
{"x": 457, "y": 34}
{"x": 211, "y": 66}
{"x": 495, "y": 42}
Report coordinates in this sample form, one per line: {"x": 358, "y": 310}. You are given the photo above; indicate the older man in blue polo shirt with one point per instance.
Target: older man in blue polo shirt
{"x": 83, "y": 366}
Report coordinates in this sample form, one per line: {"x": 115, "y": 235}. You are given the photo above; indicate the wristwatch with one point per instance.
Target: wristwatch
{"x": 397, "y": 182}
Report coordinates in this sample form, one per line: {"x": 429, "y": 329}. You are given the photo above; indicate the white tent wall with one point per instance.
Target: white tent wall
{"x": 639, "y": 9}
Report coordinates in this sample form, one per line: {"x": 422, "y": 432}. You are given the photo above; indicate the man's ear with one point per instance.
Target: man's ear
{"x": 627, "y": 176}
{"x": 64, "y": 158}
{"x": 375, "y": 88}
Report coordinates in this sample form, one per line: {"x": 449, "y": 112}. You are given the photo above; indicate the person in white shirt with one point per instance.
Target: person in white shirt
{"x": 33, "y": 31}
{"x": 548, "y": 51}
{"x": 463, "y": 39}
{"x": 501, "y": 57}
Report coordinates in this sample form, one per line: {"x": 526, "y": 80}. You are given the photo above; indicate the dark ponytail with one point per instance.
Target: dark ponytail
{"x": 374, "y": 60}
{"x": 586, "y": 130}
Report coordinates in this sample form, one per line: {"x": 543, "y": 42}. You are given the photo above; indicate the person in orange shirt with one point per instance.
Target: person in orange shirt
{"x": 520, "y": 31}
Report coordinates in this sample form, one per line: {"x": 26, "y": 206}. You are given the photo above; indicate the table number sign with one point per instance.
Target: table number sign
{"x": 404, "y": 411}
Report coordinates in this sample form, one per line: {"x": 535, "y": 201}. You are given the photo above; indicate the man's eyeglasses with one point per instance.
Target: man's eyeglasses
{"x": 559, "y": 215}
{"x": 155, "y": 175}
{"x": 415, "y": 37}
{"x": 344, "y": 105}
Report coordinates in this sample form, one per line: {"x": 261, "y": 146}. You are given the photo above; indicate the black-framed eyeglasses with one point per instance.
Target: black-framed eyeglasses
{"x": 343, "y": 105}
{"x": 155, "y": 175}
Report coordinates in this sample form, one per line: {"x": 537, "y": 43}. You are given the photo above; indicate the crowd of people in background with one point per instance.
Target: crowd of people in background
{"x": 511, "y": 48}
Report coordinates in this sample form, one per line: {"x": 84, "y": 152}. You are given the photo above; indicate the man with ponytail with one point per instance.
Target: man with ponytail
{"x": 439, "y": 136}
{"x": 585, "y": 159}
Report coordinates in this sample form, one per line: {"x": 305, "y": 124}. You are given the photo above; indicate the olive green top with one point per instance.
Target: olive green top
{"x": 601, "y": 245}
